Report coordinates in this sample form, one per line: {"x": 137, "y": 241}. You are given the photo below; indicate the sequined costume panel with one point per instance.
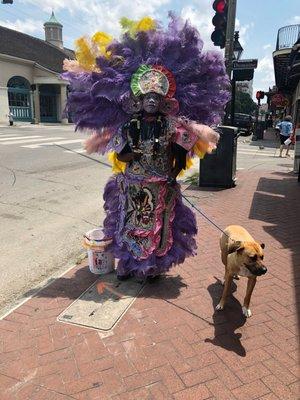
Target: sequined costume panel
{"x": 144, "y": 237}
{"x": 149, "y": 166}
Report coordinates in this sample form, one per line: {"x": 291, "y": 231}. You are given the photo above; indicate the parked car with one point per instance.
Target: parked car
{"x": 244, "y": 123}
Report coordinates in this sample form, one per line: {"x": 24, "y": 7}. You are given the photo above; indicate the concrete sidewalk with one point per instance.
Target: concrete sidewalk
{"x": 171, "y": 344}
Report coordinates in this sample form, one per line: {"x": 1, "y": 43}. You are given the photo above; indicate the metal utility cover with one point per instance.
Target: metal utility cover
{"x": 103, "y": 303}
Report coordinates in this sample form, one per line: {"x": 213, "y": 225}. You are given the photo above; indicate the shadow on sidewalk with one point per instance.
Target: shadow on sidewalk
{"x": 232, "y": 319}
{"x": 71, "y": 287}
{"x": 277, "y": 202}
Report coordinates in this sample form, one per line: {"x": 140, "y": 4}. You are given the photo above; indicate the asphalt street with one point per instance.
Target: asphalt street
{"x": 51, "y": 194}
{"x": 49, "y": 197}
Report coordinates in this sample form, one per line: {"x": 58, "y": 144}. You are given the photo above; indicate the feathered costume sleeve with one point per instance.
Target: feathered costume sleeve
{"x": 100, "y": 81}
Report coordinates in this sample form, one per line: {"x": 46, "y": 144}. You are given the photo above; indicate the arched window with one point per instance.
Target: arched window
{"x": 19, "y": 98}
{"x": 18, "y": 82}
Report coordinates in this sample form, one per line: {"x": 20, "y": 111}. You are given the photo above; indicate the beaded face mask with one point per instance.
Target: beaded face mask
{"x": 153, "y": 78}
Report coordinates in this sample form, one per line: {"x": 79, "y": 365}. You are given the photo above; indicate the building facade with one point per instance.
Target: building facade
{"x": 245, "y": 87}
{"x": 30, "y": 84}
{"x": 286, "y": 59}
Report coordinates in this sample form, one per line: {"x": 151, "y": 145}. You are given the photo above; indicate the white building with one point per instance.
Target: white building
{"x": 245, "y": 87}
{"x": 30, "y": 83}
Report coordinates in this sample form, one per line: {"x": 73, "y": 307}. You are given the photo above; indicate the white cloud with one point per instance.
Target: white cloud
{"x": 267, "y": 46}
{"x": 266, "y": 67}
{"x": 264, "y": 74}
{"x": 200, "y": 16}
{"x": 102, "y": 15}
{"x": 295, "y": 20}
{"x": 28, "y": 25}
{"x": 244, "y": 31}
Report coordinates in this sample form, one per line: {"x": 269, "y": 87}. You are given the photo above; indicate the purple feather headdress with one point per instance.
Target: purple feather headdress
{"x": 96, "y": 98}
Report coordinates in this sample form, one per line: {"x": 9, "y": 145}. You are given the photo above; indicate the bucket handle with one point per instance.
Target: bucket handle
{"x": 96, "y": 240}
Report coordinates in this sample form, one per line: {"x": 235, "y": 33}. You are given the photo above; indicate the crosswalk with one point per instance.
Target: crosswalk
{"x": 255, "y": 151}
{"x": 38, "y": 141}
{"x": 57, "y": 142}
{"x": 247, "y": 150}
{"x": 41, "y": 141}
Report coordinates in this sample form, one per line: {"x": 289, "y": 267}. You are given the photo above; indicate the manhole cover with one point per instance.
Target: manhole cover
{"x": 103, "y": 303}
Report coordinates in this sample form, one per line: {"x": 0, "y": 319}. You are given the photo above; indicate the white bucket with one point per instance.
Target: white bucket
{"x": 101, "y": 261}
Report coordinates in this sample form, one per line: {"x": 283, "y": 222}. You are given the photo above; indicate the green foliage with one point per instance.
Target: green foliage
{"x": 193, "y": 179}
{"x": 244, "y": 103}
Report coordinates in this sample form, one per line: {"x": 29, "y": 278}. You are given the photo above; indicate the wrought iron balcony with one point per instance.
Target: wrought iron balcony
{"x": 286, "y": 60}
{"x": 294, "y": 64}
{"x": 287, "y": 36}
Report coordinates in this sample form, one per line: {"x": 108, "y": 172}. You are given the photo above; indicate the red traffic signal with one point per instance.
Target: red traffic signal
{"x": 220, "y": 22}
{"x": 219, "y": 5}
{"x": 260, "y": 95}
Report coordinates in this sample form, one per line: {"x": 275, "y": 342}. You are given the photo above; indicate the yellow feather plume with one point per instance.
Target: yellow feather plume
{"x": 189, "y": 164}
{"x": 145, "y": 24}
{"x": 88, "y": 49}
{"x": 200, "y": 149}
{"x": 117, "y": 166}
{"x": 132, "y": 27}
{"x": 84, "y": 54}
{"x": 102, "y": 40}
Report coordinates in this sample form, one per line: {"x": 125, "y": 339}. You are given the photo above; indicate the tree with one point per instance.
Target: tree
{"x": 244, "y": 103}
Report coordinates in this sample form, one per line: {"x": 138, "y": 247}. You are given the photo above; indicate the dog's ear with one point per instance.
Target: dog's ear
{"x": 262, "y": 245}
{"x": 235, "y": 246}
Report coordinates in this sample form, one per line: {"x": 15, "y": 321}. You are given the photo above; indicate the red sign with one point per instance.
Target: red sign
{"x": 279, "y": 100}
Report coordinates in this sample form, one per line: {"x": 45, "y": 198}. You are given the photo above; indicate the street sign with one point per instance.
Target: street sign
{"x": 245, "y": 64}
{"x": 245, "y": 74}
{"x": 279, "y": 100}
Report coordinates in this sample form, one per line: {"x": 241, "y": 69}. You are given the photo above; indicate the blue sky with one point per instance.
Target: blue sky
{"x": 257, "y": 20}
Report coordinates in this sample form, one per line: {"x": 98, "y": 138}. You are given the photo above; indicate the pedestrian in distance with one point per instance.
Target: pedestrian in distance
{"x": 269, "y": 122}
{"x": 286, "y": 129}
{"x": 10, "y": 116}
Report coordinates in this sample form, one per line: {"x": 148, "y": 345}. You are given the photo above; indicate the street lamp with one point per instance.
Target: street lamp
{"x": 237, "y": 48}
{"x": 237, "y": 52}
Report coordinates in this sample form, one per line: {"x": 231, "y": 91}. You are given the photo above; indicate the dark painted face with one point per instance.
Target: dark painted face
{"x": 151, "y": 102}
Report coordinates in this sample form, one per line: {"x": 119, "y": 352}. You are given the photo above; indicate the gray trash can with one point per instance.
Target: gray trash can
{"x": 218, "y": 169}
{"x": 259, "y": 133}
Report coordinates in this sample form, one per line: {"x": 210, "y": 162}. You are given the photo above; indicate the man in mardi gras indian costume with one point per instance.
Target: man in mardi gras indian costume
{"x": 129, "y": 92}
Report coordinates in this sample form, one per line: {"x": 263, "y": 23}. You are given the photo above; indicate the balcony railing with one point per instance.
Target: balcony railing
{"x": 287, "y": 36}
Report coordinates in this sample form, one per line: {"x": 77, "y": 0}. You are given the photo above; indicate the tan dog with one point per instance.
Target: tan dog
{"x": 242, "y": 256}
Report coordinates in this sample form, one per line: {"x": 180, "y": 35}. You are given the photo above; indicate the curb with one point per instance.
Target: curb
{"x": 43, "y": 284}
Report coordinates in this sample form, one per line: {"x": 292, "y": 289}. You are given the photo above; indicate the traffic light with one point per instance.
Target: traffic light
{"x": 220, "y": 22}
{"x": 7, "y": 1}
{"x": 260, "y": 95}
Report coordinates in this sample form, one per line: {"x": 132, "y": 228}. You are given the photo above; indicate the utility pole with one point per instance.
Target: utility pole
{"x": 232, "y": 102}
{"x": 230, "y": 35}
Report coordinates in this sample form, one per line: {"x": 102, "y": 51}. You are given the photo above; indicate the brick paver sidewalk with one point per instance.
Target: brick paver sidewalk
{"x": 171, "y": 344}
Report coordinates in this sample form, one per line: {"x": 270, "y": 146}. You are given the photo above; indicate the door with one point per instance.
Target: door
{"x": 48, "y": 107}
{"x": 48, "y": 102}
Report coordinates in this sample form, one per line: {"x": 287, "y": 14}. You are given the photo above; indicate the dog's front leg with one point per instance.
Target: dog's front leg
{"x": 250, "y": 286}
{"x": 227, "y": 286}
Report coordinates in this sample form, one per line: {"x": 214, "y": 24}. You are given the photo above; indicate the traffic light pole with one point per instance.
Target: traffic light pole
{"x": 255, "y": 133}
{"x": 230, "y": 36}
{"x": 232, "y": 102}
